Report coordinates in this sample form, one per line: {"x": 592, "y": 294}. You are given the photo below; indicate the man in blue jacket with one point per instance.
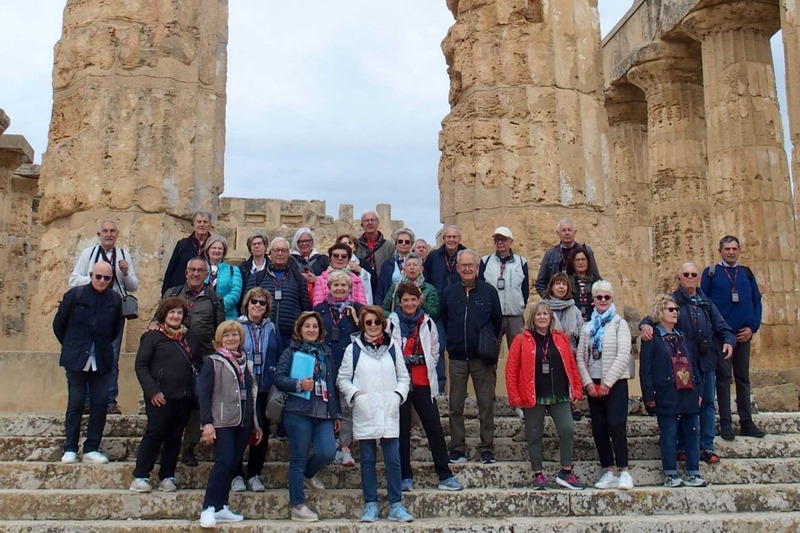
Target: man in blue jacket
{"x": 88, "y": 320}
{"x": 733, "y": 289}
{"x": 466, "y": 308}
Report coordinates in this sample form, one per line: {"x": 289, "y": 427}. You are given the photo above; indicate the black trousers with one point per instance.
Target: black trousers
{"x": 739, "y": 367}
{"x": 610, "y": 424}
{"x": 258, "y": 452}
{"x": 420, "y": 398}
{"x": 165, "y": 426}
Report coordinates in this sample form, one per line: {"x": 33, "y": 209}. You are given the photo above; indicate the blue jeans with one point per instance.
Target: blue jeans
{"x": 228, "y": 449}
{"x": 80, "y": 385}
{"x": 391, "y": 460}
{"x": 708, "y": 413}
{"x": 670, "y": 426}
{"x": 304, "y": 431}
{"x": 113, "y": 381}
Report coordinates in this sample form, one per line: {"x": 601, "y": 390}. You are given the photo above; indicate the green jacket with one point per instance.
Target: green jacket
{"x": 430, "y": 302}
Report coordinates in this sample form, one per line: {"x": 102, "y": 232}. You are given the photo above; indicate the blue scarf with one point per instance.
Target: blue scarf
{"x": 597, "y": 326}
{"x": 408, "y": 324}
{"x": 316, "y": 349}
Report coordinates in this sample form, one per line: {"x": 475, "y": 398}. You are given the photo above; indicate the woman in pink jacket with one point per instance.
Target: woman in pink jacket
{"x": 339, "y": 255}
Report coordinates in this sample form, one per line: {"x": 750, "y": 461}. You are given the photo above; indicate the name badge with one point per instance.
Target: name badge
{"x": 257, "y": 358}
{"x": 545, "y": 368}
{"x": 501, "y": 284}
{"x": 335, "y": 335}
{"x": 735, "y": 297}
{"x": 243, "y": 394}
{"x": 278, "y": 295}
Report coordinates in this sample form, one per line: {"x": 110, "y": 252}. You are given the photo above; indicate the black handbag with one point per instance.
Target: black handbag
{"x": 276, "y": 401}
{"x": 488, "y": 346}
{"x": 195, "y": 372}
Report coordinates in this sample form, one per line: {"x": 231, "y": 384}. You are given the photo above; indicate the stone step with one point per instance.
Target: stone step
{"x": 501, "y": 475}
{"x": 49, "y": 449}
{"x": 787, "y": 522}
{"x": 347, "y": 504}
{"x": 505, "y": 426}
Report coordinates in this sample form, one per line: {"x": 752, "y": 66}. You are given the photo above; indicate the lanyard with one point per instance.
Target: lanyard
{"x": 674, "y": 347}
{"x": 735, "y": 277}
{"x": 255, "y": 334}
{"x": 545, "y": 349}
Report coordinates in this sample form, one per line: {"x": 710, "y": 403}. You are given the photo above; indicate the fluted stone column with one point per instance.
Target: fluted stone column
{"x": 523, "y": 144}
{"x": 790, "y": 30}
{"x": 137, "y": 133}
{"x": 748, "y": 177}
{"x": 671, "y": 77}
{"x": 630, "y": 190}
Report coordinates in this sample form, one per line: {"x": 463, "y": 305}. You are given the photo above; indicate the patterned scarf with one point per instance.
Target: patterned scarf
{"x": 238, "y": 360}
{"x": 597, "y": 326}
{"x": 177, "y": 335}
{"x": 418, "y": 282}
{"x": 315, "y": 349}
{"x": 339, "y": 305}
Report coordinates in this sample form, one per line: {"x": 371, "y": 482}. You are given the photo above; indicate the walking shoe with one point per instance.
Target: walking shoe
{"x": 625, "y": 480}
{"x": 457, "y": 457}
{"x": 113, "y": 409}
{"x": 695, "y": 481}
{"x": 607, "y": 481}
{"x": 207, "y": 518}
{"x": 69, "y": 457}
{"x": 398, "y": 513}
{"x": 167, "y": 485}
{"x": 450, "y": 484}
{"x": 370, "y": 512}
{"x": 672, "y": 481}
{"x": 487, "y": 457}
{"x": 301, "y": 513}
{"x": 680, "y": 456}
{"x": 539, "y": 482}
{"x": 346, "y": 458}
{"x": 407, "y": 485}
{"x": 140, "y": 484}
{"x": 570, "y": 480}
{"x": 709, "y": 457}
{"x": 237, "y": 485}
{"x": 726, "y": 432}
{"x": 254, "y": 484}
{"x": 94, "y": 458}
{"x": 577, "y": 416}
{"x": 189, "y": 459}
{"x": 313, "y": 483}
{"x": 749, "y": 429}
{"x": 226, "y": 515}
{"x": 520, "y": 436}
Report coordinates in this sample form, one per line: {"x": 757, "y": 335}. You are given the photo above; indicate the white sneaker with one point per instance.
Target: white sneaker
{"x": 347, "y": 457}
{"x": 254, "y": 484}
{"x": 625, "y": 481}
{"x": 69, "y": 457}
{"x": 167, "y": 485}
{"x": 140, "y": 484}
{"x": 314, "y": 483}
{"x": 226, "y": 515}
{"x": 237, "y": 485}
{"x": 94, "y": 458}
{"x": 207, "y": 518}
{"x": 607, "y": 481}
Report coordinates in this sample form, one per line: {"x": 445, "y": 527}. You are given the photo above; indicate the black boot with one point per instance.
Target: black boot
{"x": 749, "y": 429}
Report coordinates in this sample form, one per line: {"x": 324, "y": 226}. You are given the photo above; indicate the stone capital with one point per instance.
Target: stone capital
{"x": 5, "y": 121}
{"x": 625, "y": 103}
{"x": 664, "y": 63}
{"x": 762, "y": 16}
{"x": 452, "y": 5}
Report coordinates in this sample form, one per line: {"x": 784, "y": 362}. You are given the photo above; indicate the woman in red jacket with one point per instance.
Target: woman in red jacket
{"x": 542, "y": 377}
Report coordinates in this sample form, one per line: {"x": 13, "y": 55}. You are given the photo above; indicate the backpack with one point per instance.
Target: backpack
{"x": 712, "y": 271}
{"x": 215, "y": 302}
{"x": 357, "y": 354}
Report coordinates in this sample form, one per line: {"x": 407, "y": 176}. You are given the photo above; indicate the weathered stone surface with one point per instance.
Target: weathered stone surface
{"x": 790, "y": 30}
{"x": 777, "y": 397}
{"x": 5, "y": 121}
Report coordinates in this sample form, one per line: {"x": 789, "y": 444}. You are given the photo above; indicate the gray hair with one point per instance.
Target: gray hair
{"x": 338, "y": 275}
{"x": 563, "y": 221}
{"x": 414, "y": 257}
{"x": 365, "y": 213}
{"x": 680, "y": 268}
{"x": 214, "y": 239}
{"x": 101, "y": 222}
{"x": 299, "y": 233}
{"x": 473, "y": 253}
{"x": 278, "y": 239}
{"x": 204, "y": 214}
{"x": 404, "y": 231}
{"x": 602, "y": 286}
{"x": 452, "y": 226}
{"x": 197, "y": 258}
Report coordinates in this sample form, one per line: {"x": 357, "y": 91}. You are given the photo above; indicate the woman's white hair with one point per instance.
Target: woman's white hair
{"x": 602, "y": 286}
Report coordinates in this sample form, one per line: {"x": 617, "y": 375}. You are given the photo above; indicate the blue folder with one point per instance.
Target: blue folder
{"x": 302, "y": 368}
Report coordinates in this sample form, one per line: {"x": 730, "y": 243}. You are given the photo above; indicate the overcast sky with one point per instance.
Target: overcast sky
{"x": 338, "y": 101}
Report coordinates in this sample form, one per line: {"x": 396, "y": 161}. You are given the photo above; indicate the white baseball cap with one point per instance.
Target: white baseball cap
{"x": 504, "y": 231}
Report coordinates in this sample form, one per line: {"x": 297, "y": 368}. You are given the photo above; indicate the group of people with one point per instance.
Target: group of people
{"x": 376, "y": 316}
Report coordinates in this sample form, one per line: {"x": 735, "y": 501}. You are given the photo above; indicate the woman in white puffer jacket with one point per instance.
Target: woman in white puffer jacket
{"x": 374, "y": 380}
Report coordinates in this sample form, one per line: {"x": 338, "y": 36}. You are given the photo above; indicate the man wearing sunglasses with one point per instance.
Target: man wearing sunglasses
{"x": 707, "y": 335}
{"x": 88, "y": 320}
{"x": 123, "y": 281}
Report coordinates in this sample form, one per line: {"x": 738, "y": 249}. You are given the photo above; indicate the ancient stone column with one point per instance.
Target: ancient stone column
{"x": 523, "y": 144}
{"x": 790, "y": 30}
{"x": 137, "y": 133}
{"x": 748, "y": 176}
{"x": 671, "y": 77}
{"x": 630, "y": 192}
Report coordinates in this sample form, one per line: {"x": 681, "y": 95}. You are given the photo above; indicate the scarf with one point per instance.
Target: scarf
{"x": 597, "y": 326}
{"x": 418, "y": 282}
{"x": 373, "y": 341}
{"x": 409, "y": 324}
{"x": 339, "y": 305}
{"x": 346, "y": 269}
{"x": 315, "y": 349}
{"x": 571, "y": 323}
{"x": 177, "y": 335}
{"x": 238, "y": 360}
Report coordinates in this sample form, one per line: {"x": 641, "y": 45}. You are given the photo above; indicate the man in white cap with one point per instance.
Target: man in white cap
{"x": 508, "y": 273}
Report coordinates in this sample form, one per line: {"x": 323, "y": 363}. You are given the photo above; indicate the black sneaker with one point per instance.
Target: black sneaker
{"x": 727, "y": 433}
{"x": 749, "y": 429}
{"x": 577, "y": 416}
{"x": 457, "y": 457}
{"x": 189, "y": 459}
{"x": 487, "y": 457}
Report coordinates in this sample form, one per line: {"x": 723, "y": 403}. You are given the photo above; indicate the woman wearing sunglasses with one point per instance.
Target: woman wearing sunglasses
{"x": 671, "y": 387}
{"x": 604, "y": 362}
{"x": 393, "y": 269}
{"x": 261, "y": 349}
{"x": 374, "y": 380}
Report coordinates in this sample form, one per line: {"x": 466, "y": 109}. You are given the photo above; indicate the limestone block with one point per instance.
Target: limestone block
{"x": 5, "y": 121}
{"x": 777, "y": 397}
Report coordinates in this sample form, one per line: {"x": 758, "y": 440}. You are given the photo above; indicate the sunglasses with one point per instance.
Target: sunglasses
{"x": 369, "y": 323}
{"x": 690, "y": 274}
{"x": 672, "y": 309}
{"x": 100, "y": 277}
{"x": 304, "y": 241}
{"x": 339, "y": 256}
{"x": 603, "y": 297}
{"x": 403, "y": 241}
{"x": 262, "y": 303}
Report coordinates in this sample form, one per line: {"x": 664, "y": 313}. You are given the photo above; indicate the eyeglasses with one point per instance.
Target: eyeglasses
{"x": 369, "y": 322}
{"x": 262, "y": 303}
{"x": 500, "y": 239}
{"x": 603, "y": 297}
{"x": 467, "y": 266}
{"x": 580, "y": 259}
{"x": 280, "y": 250}
{"x": 100, "y": 277}
{"x": 339, "y": 256}
{"x": 672, "y": 309}
{"x": 403, "y": 241}
{"x": 690, "y": 274}
{"x": 194, "y": 270}
{"x": 304, "y": 241}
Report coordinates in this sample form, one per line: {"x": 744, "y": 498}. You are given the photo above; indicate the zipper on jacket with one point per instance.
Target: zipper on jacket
{"x": 466, "y": 314}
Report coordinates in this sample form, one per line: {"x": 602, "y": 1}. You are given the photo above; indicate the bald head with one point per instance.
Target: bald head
{"x": 101, "y": 276}
{"x": 689, "y": 278}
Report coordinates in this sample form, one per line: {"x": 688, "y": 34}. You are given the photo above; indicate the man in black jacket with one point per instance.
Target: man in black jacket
{"x": 186, "y": 249}
{"x": 466, "y": 308}
{"x": 88, "y": 320}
